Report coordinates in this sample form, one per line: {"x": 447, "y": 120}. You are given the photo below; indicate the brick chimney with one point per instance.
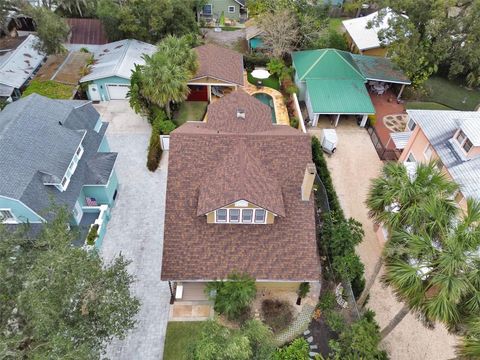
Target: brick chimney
{"x": 308, "y": 179}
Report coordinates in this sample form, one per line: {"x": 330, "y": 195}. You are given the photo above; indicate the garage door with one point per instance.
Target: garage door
{"x": 118, "y": 91}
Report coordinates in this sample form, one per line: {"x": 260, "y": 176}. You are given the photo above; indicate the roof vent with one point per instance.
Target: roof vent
{"x": 240, "y": 114}
{"x": 60, "y": 123}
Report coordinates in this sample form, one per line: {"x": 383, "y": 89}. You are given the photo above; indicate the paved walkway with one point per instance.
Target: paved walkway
{"x": 136, "y": 231}
{"x": 352, "y": 167}
{"x": 281, "y": 112}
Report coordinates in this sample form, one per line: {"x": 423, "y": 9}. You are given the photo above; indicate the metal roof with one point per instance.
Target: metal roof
{"x": 38, "y": 139}
{"x": 118, "y": 59}
{"x": 380, "y": 69}
{"x": 400, "y": 139}
{"x": 18, "y": 64}
{"x": 325, "y": 64}
{"x": 364, "y": 37}
{"x": 339, "y": 97}
{"x": 439, "y": 126}
{"x": 471, "y": 128}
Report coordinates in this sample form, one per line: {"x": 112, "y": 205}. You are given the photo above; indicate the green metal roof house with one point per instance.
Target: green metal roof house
{"x": 332, "y": 82}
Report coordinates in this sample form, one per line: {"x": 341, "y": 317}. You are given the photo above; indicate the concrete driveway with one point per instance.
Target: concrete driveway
{"x": 136, "y": 230}
{"x": 352, "y": 167}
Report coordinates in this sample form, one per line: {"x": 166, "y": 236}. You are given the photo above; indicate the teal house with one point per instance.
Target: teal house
{"x": 231, "y": 9}
{"x": 253, "y": 35}
{"x": 54, "y": 152}
{"x": 109, "y": 77}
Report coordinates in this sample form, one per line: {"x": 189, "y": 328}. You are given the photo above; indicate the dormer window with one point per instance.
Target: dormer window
{"x": 234, "y": 215}
{"x": 259, "y": 216}
{"x": 240, "y": 216}
{"x": 71, "y": 169}
{"x": 464, "y": 141}
{"x": 6, "y": 217}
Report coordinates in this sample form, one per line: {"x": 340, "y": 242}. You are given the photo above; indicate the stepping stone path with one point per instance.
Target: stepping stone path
{"x": 396, "y": 123}
{"x": 310, "y": 339}
{"x": 313, "y": 347}
{"x": 298, "y": 326}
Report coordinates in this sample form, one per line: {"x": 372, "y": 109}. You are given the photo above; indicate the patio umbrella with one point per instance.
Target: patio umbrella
{"x": 260, "y": 74}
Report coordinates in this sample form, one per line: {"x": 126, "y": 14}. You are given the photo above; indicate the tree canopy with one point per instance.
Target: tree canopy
{"x": 147, "y": 20}
{"x": 58, "y": 301}
{"x": 428, "y": 36}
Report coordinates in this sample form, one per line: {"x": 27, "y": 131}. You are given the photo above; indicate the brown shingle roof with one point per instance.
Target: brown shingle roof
{"x": 204, "y": 157}
{"x": 220, "y": 63}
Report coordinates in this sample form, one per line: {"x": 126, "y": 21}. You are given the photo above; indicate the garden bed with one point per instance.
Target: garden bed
{"x": 180, "y": 337}
{"x": 425, "y": 105}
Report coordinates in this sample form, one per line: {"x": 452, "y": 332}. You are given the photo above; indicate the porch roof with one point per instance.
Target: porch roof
{"x": 380, "y": 69}
{"x": 339, "y": 97}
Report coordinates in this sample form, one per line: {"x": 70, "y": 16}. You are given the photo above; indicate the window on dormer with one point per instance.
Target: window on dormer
{"x": 247, "y": 215}
{"x": 234, "y": 215}
{"x": 221, "y": 215}
{"x": 460, "y": 137}
{"x": 259, "y": 216}
{"x": 467, "y": 145}
{"x": 6, "y": 216}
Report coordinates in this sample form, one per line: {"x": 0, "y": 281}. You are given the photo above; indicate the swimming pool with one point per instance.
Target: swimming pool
{"x": 267, "y": 100}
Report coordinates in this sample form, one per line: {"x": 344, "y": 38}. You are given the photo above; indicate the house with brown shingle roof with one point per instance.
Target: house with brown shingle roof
{"x": 220, "y": 70}
{"x": 239, "y": 198}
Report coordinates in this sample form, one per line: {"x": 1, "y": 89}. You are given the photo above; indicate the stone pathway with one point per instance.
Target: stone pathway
{"x": 299, "y": 325}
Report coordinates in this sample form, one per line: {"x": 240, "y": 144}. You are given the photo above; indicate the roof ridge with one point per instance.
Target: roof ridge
{"x": 120, "y": 62}
{"x": 315, "y": 63}
{"x": 349, "y": 64}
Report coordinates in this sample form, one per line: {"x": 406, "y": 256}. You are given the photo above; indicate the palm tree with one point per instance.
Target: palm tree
{"x": 400, "y": 198}
{"x": 436, "y": 275}
{"x": 166, "y": 73}
{"x": 469, "y": 347}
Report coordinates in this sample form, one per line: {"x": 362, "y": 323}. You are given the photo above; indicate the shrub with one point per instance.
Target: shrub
{"x": 277, "y": 314}
{"x": 92, "y": 235}
{"x": 276, "y": 67}
{"x": 222, "y": 19}
{"x": 303, "y": 289}
{"x": 84, "y": 50}
{"x": 294, "y": 122}
{"x": 166, "y": 127}
{"x": 334, "y": 320}
{"x": 232, "y": 297}
{"x": 291, "y": 89}
{"x": 252, "y": 60}
{"x": 154, "y": 151}
{"x": 327, "y": 301}
{"x": 372, "y": 120}
{"x": 90, "y": 60}
{"x": 297, "y": 350}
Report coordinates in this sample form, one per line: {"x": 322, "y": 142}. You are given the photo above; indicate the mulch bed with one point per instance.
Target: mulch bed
{"x": 321, "y": 335}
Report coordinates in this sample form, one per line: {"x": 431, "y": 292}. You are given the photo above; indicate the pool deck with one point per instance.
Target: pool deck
{"x": 281, "y": 112}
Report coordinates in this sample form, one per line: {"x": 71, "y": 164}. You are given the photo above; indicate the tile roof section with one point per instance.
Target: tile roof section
{"x": 18, "y": 64}
{"x": 439, "y": 126}
{"x": 196, "y": 250}
{"x": 38, "y": 138}
{"x": 220, "y": 63}
{"x": 118, "y": 59}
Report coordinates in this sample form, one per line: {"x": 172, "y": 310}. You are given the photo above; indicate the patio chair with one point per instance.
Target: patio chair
{"x": 217, "y": 91}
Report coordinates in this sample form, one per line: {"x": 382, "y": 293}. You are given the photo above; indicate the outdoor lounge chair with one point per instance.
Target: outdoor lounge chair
{"x": 217, "y": 92}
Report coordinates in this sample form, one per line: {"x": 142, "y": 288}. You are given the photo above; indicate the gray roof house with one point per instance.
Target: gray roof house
{"x": 19, "y": 60}
{"x": 55, "y": 152}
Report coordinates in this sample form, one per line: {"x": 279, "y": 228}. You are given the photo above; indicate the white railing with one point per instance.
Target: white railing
{"x": 299, "y": 113}
{"x": 101, "y": 221}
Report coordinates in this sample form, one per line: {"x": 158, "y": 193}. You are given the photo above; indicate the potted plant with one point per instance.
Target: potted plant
{"x": 302, "y": 292}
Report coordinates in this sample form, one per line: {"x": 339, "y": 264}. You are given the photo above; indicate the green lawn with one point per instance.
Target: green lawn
{"x": 336, "y": 24}
{"x": 425, "y": 105}
{"x": 451, "y": 94}
{"x": 180, "y": 336}
{"x": 190, "y": 111}
{"x": 49, "y": 89}
{"x": 271, "y": 82}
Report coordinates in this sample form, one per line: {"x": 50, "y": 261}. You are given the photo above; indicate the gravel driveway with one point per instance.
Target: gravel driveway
{"x": 136, "y": 230}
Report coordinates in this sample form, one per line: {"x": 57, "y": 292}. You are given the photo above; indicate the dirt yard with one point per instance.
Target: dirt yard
{"x": 352, "y": 166}
{"x": 234, "y": 40}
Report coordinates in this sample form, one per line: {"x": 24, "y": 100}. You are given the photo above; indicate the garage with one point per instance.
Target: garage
{"x": 118, "y": 91}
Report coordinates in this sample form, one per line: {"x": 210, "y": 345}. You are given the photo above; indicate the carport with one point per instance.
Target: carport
{"x": 337, "y": 98}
